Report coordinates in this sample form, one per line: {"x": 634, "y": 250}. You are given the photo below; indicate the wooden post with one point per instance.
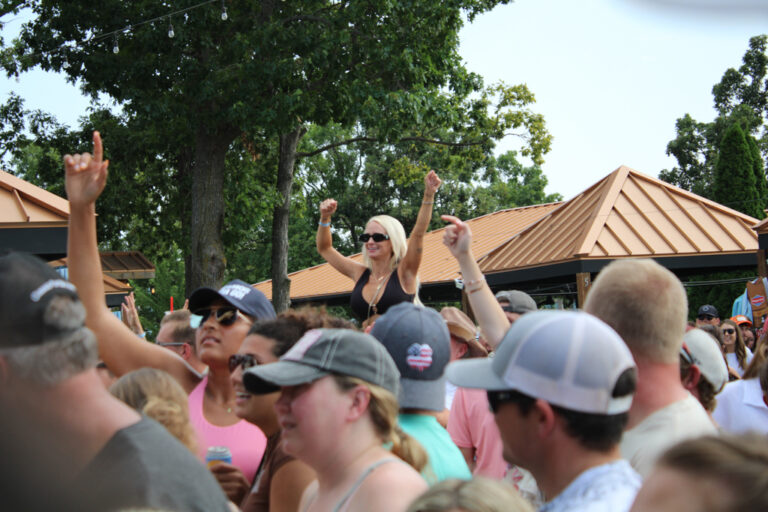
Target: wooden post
{"x": 583, "y": 282}
{"x": 762, "y": 268}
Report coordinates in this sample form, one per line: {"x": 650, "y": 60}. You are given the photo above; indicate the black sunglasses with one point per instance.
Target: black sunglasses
{"x": 496, "y": 398}
{"x": 705, "y": 317}
{"x": 729, "y": 331}
{"x": 244, "y": 360}
{"x": 225, "y": 316}
{"x": 377, "y": 237}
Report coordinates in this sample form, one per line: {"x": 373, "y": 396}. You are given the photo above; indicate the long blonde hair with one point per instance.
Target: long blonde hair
{"x": 383, "y": 409}
{"x": 158, "y": 395}
{"x": 399, "y": 242}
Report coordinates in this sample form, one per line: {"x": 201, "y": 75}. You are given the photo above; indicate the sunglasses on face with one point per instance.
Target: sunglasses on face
{"x": 729, "y": 331}
{"x": 224, "y": 316}
{"x": 377, "y": 237}
{"x": 496, "y": 398}
{"x": 170, "y": 344}
{"x": 705, "y": 317}
{"x": 244, "y": 360}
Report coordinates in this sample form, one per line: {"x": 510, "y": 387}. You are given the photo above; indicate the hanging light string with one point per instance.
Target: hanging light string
{"x": 115, "y": 33}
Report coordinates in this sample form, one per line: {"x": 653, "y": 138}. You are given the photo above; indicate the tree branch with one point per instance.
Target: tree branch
{"x": 442, "y": 142}
{"x": 335, "y": 145}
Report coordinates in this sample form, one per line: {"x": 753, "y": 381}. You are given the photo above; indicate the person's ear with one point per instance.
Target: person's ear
{"x": 461, "y": 350}
{"x": 545, "y": 418}
{"x": 186, "y": 351}
{"x": 360, "y": 399}
{"x": 693, "y": 377}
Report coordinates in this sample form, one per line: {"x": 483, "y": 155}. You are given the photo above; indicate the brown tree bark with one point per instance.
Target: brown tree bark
{"x": 281, "y": 284}
{"x": 206, "y": 259}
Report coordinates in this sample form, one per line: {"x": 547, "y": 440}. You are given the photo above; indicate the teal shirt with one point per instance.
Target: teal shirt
{"x": 445, "y": 458}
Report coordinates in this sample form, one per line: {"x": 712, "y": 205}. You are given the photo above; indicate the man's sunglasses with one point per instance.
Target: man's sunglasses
{"x": 496, "y": 398}
{"x": 244, "y": 360}
{"x": 705, "y": 317}
{"x": 377, "y": 237}
{"x": 225, "y": 316}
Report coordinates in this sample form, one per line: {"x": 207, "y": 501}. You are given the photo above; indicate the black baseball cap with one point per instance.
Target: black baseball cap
{"x": 708, "y": 309}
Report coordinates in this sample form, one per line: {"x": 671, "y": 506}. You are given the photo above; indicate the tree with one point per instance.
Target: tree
{"x": 266, "y": 72}
{"x": 741, "y": 97}
{"x": 734, "y": 174}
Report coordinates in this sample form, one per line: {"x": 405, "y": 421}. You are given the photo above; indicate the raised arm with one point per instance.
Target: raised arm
{"x": 324, "y": 241}
{"x": 120, "y": 348}
{"x": 409, "y": 267}
{"x": 490, "y": 316}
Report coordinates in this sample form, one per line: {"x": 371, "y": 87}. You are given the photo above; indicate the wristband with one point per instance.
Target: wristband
{"x": 324, "y": 224}
{"x": 142, "y": 335}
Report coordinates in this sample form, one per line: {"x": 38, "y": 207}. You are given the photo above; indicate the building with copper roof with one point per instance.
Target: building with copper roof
{"x": 558, "y": 247}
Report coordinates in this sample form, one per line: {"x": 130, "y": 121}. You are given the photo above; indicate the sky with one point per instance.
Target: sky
{"x": 609, "y": 76}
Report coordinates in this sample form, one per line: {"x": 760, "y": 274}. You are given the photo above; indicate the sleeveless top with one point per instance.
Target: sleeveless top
{"x": 344, "y": 501}
{"x": 246, "y": 442}
{"x": 392, "y": 294}
{"x": 257, "y": 499}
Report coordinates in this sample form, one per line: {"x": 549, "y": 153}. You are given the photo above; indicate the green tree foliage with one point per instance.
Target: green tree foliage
{"x": 734, "y": 174}
{"x": 368, "y": 178}
{"x": 267, "y": 70}
{"x": 741, "y": 97}
{"x": 700, "y": 291}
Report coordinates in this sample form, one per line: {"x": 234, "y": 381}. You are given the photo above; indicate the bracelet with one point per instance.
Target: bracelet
{"x": 470, "y": 292}
{"x": 475, "y": 281}
{"x": 324, "y": 224}
{"x": 142, "y": 335}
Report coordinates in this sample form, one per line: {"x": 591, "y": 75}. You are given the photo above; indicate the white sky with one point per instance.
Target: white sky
{"x": 610, "y": 76}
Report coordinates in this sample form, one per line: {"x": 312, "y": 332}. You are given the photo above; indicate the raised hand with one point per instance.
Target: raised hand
{"x": 130, "y": 314}
{"x": 86, "y": 174}
{"x": 457, "y": 236}
{"x": 328, "y": 208}
{"x": 432, "y": 182}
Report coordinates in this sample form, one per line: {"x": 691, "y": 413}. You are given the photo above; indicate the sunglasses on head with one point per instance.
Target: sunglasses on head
{"x": 496, "y": 398}
{"x": 244, "y": 360}
{"x": 377, "y": 237}
{"x": 224, "y": 316}
{"x": 729, "y": 331}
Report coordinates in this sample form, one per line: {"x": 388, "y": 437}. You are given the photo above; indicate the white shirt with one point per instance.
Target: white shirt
{"x": 678, "y": 421}
{"x": 733, "y": 361}
{"x": 740, "y": 407}
{"x": 606, "y": 488}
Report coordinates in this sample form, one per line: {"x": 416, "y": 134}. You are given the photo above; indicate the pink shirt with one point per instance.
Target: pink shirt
{"x": 246, "y": 442}
{"x": 471, "y": 425}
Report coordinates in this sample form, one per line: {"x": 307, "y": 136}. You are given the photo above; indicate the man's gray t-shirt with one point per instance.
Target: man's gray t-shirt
{"x": 143, "y": 465}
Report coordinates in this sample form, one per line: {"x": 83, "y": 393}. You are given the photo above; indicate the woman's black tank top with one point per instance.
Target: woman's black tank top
{"x": 393, "y": 294}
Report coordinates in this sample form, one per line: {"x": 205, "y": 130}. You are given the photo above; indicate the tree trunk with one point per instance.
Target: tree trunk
{"x": 207, "y": 261}
{"x": 281, "y": 285}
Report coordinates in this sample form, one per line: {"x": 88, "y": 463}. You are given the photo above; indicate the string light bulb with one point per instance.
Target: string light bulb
{"x": 115, "y": 48}
{"x": 224, "y": 15}
{"x": 171, "y": 33}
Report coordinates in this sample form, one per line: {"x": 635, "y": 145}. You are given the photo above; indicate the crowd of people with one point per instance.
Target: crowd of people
{"x": 613, "y": 408}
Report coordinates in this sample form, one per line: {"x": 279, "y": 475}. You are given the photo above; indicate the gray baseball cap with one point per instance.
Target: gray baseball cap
{"x": 322, "y": 352}
{"x": 418, "y": 340}
{"x": 568, "y": 358}
{"x": 519, "y": 302}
